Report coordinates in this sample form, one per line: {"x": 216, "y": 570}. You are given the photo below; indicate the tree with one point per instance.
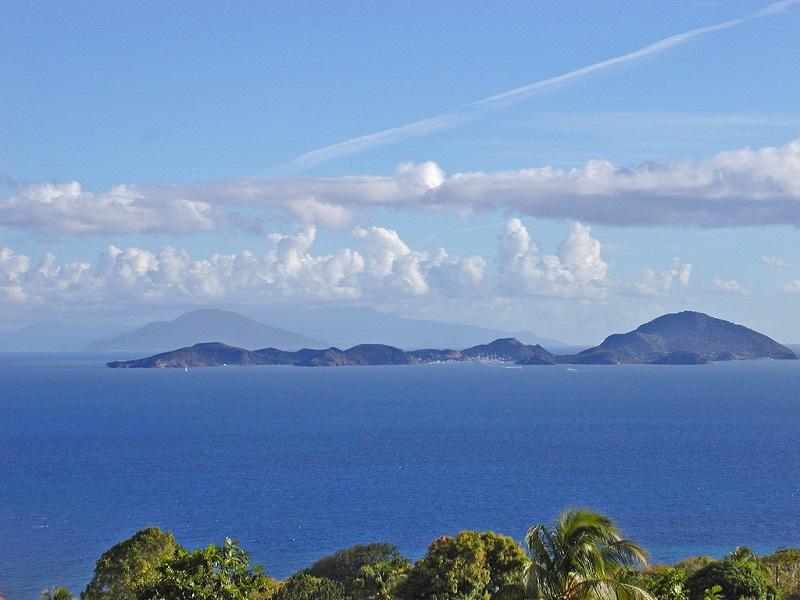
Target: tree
{"x": 57, "y": 593}
{"x": 130, "y": 565}
{"x": 345, "y": 566}
{"x": 211, "y": 573}
{"x": 783, "y": 570}
{"x": 469, "y": 566}
{"x": 744, "y": 555}
{"x": 582, "y": 558}
{"x": 668, "y": 583}
{"x": 737, "y": 580}
{"x": 693, "y": 564}
{"x": 303, "y": 586}
{"x": 379, "y": 581}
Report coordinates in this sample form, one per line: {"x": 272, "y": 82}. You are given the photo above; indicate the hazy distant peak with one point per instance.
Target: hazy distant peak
{"x": 203, "y": 325}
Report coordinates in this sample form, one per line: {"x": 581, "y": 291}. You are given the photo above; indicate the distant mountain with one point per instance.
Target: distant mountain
{"x": 351, "y": 326}
{"x": 206, "y": 325}
{"x": 683, "y": 338}
{"x": 686, "y": 338}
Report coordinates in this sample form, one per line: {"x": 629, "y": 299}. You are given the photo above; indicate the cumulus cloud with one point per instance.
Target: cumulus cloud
{"x": 732, "y": 189}
{"x": 383, "y": 266}
{"x": 655, "y": 283}
{"x": 380, "y": 267}
{"x": 729, "y": 287}
{"x": 577, "y": 270}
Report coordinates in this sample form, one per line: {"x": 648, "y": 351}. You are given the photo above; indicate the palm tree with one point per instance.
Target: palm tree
{"x": 57, "y": 593}
{"x": 581, "y": 558}
{"x": 744, "y": 555}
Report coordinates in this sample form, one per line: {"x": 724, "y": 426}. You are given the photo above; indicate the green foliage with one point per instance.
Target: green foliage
{"x": 345, "y": 566}
{"x": 693, "y": 564}
{"x": 379, "y": 581}
{"x": 469, "y": 566}
{"x": 713, "y": 593}
{"x": 130, "y": 565}
{"x": 782, "y": 568}
{"x": 744, "y": 555}
{"x": 57, "y": 593}
{"x": 211, "y": 573}
{"x": 303, "y": 586}
{"x": 582, "y": 557}
{"x": 668, "y": 583}
{"x": 737, "y": 580}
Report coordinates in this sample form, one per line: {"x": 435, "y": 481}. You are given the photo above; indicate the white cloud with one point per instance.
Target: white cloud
{"x": 773, "y": 262}
{"x": 381, "y": 268}
{"x": 792, "y": 287}
{"x": 577, "y": 270}
{"x": 68, "y": 210}
{"x": 739, "y": 188}
{"x": 732, "y": 189}
{"x": 312, "y": 211}
{"x": 384, "y": 267}
{"x": 728, "y": 287}
{"x": 653, "y": 283}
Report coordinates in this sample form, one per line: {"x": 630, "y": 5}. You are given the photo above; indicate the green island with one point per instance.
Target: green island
{"x": 581, "y": 556}
{"x": 686, "y": 338}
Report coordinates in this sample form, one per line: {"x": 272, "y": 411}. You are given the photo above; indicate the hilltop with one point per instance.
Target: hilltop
{"x": 683, "y": 338}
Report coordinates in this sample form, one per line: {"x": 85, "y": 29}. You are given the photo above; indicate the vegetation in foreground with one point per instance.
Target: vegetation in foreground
{"x": 582, "y": 556}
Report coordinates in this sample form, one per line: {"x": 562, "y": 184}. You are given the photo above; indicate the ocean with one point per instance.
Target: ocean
{"x": 298, "y": 462}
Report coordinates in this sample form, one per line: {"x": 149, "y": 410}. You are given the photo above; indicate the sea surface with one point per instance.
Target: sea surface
{"x": 298, "y": 462}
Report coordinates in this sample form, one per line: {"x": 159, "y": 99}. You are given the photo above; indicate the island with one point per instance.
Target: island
{"x": 685, "y": 338}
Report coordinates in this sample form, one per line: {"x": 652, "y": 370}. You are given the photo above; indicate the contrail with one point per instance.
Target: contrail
{"x": 472, "y": 110}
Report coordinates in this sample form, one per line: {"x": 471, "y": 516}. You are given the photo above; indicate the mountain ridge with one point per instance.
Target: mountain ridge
{"x": 348, "y": 326}
{"x": 191, "y": 327}
{"x": 657, "y": 342}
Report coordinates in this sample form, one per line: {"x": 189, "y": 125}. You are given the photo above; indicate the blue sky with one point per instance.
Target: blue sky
{"x": 198, "y": 109}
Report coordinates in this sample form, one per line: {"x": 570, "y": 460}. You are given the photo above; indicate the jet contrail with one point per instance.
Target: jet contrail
{"x": 470, "y": 111}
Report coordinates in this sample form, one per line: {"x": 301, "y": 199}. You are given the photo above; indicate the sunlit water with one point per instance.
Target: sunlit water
{"x": 297, "y": 462}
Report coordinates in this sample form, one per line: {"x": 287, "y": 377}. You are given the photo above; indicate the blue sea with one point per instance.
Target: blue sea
{"x": 298, "y": 462}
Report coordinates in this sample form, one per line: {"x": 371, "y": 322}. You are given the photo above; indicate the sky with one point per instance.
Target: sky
{"x": 567, "y": 168}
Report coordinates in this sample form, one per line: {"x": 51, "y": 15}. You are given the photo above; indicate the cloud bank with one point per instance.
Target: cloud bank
{"x": 736, "y": 188}
{"x": 380, "y": 267}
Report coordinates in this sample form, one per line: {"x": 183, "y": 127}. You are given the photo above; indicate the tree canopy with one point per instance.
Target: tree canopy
{"x": 211, "y": 573}
{"x": 130, "y": 565}
{"x": 345, "y": 566}
{"x": 57, "y": 593}
{"x": 469, "y": 566}
{"x": 303, "y": 586}
{"x": 737, "y": 579}
{"x": 582, "y": 557}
